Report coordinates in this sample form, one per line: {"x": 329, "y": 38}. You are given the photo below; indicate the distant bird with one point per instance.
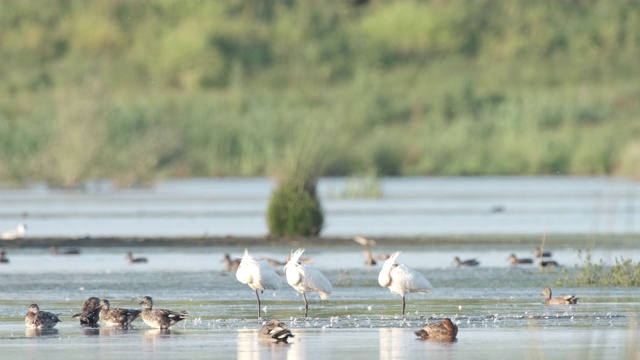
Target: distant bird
{"x": 258, "y": 274}
{"x": 37, "y": 319}
{"x": 364, "y": 241}
{"x": 368, "y": 258}
{"x": 445, "y": 330}
{"x": 160, "y": 318}
{"x": 132, "y": 260}
{"x": 276, "y": 332}
{"x": 67, "y": 251}
{"x": 559, "y": 300}
{"x": 306, "y": 279}
{"x": 469, "y": 262}
{"x": 401, "y": 279}
{"x": 231, "y": 264}
{"x": 17, "y": 233}
{"x": 90, "y": 313}
{"x": 117, "y": 316}
{"x": 3, "y": 256}
{"x": 515, "y": 261}
{"x": 549, "y": 264}
{"x": 539, "y": 253}
{"x": 274, "y": 262}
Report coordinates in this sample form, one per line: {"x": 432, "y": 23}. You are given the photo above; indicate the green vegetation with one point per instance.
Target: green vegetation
{"x": 140, "y": 90}
{"x": 623, "y": 273}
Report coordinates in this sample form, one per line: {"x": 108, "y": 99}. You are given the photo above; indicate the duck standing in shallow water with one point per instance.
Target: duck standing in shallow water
{"x": 444, "y": 330}
{"x": 559, "y": 300}
{"x": 275, "y": 331}
{"x": 470, "y": 262}
{"x": 515, "y": 261}
{"x": 132, "y": 260}
{"x": 37, "y": 319}
{"x": 117, "y": 316}
{"x": 90, "y": 313}
{"x": 159, "y": 318}
{"x": 231, "y": 264}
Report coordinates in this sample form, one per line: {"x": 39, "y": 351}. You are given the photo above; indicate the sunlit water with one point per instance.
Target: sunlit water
{"x": 405, "y": 207}
{"x": 498, "y": 308}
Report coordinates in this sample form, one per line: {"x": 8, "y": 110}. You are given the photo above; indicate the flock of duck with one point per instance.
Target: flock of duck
{"x": 260, "y": 275}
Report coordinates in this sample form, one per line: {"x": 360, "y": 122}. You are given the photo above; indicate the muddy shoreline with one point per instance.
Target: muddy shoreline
{"x": 579, "y": 240}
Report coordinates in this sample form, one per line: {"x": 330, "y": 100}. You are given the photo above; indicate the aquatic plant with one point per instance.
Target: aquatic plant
{"x": 624, "y": 272}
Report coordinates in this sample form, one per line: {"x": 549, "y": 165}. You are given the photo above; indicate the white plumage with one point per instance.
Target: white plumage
{"x": 258, "y": 274}
{"x": 17, "y": 233}
{"x": 401, "y": 279}
{"x": 305, "y": 278}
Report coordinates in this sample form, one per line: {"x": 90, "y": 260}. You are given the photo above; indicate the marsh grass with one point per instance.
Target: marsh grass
{"x": 624, "y": 272}
{"x": 400, "y": 88}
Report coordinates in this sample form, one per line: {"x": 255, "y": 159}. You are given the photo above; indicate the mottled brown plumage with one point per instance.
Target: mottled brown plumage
{"x": 37, "y": 319}
{"x": 444, "y": 330}
{"x": 231, "y": 264}
{"x": 159, "y": 318}
{"x": 276, "y": 332}
{"x": 90, "y": 313}
{"x": 117, "y": 316}
{"x": 559, "y": 300}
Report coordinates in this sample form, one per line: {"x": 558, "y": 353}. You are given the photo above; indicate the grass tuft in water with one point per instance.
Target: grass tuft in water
{"x": 623, "y": 273}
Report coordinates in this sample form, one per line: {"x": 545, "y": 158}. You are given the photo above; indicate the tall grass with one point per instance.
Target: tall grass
{"x": 137, "y": 91}
{"x": 624, "y": 272}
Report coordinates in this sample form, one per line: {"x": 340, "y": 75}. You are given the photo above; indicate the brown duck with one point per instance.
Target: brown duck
{"x": 444, "y": 330}
{"x": 37, "y": 319}
{"x": 90, "y": 313}
{"x": 160, "y": 318}
{"x": 559, "y": 300}
{"x": 275, "y": 331}
{"x": 117, "y": 316}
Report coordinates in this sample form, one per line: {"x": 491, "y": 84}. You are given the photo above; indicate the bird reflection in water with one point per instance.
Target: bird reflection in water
{"x": 33, "y": 332}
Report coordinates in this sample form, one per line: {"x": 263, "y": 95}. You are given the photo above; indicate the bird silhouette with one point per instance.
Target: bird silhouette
{"x": 304, "y": 278}
{"x": 401, "y": 279}
{"x": 469, "y": 262}
{"x": 258, "y": 274}
{"x": 132, "y": 260}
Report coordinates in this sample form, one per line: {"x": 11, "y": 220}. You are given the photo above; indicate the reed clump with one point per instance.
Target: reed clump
{"x": 624, "y": 272}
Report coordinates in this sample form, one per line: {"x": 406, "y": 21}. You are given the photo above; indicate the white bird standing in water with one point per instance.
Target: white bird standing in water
{"x": 401, "y": 279}
{"x": 258, "y": 274}
{"x": 17, "y": 233}
{"x": 305, "y": 278}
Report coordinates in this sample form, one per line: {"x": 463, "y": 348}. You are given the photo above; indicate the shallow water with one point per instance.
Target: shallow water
{"x": 407, "y": 207}
{"x": 498, "y": 308}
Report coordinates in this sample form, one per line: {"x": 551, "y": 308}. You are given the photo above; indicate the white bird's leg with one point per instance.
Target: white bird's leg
{"x": 306, "y": 304}
{"x": 258, "y": 296}
{"x": 403, "y": 304}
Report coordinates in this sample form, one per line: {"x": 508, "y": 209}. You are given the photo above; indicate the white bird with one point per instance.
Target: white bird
{"x": 305, "y": 278}
{"x": 258, "y": 274}
{"x": 17, "y": 233}
{"x": 401, "y": 279}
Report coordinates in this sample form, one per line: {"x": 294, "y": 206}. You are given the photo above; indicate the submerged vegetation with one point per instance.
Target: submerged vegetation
{"x": 135, "y": 91}
{"x": 623, "y": 273}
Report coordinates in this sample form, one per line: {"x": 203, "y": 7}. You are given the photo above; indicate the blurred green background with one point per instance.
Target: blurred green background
{"x": 136, "y": 91}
